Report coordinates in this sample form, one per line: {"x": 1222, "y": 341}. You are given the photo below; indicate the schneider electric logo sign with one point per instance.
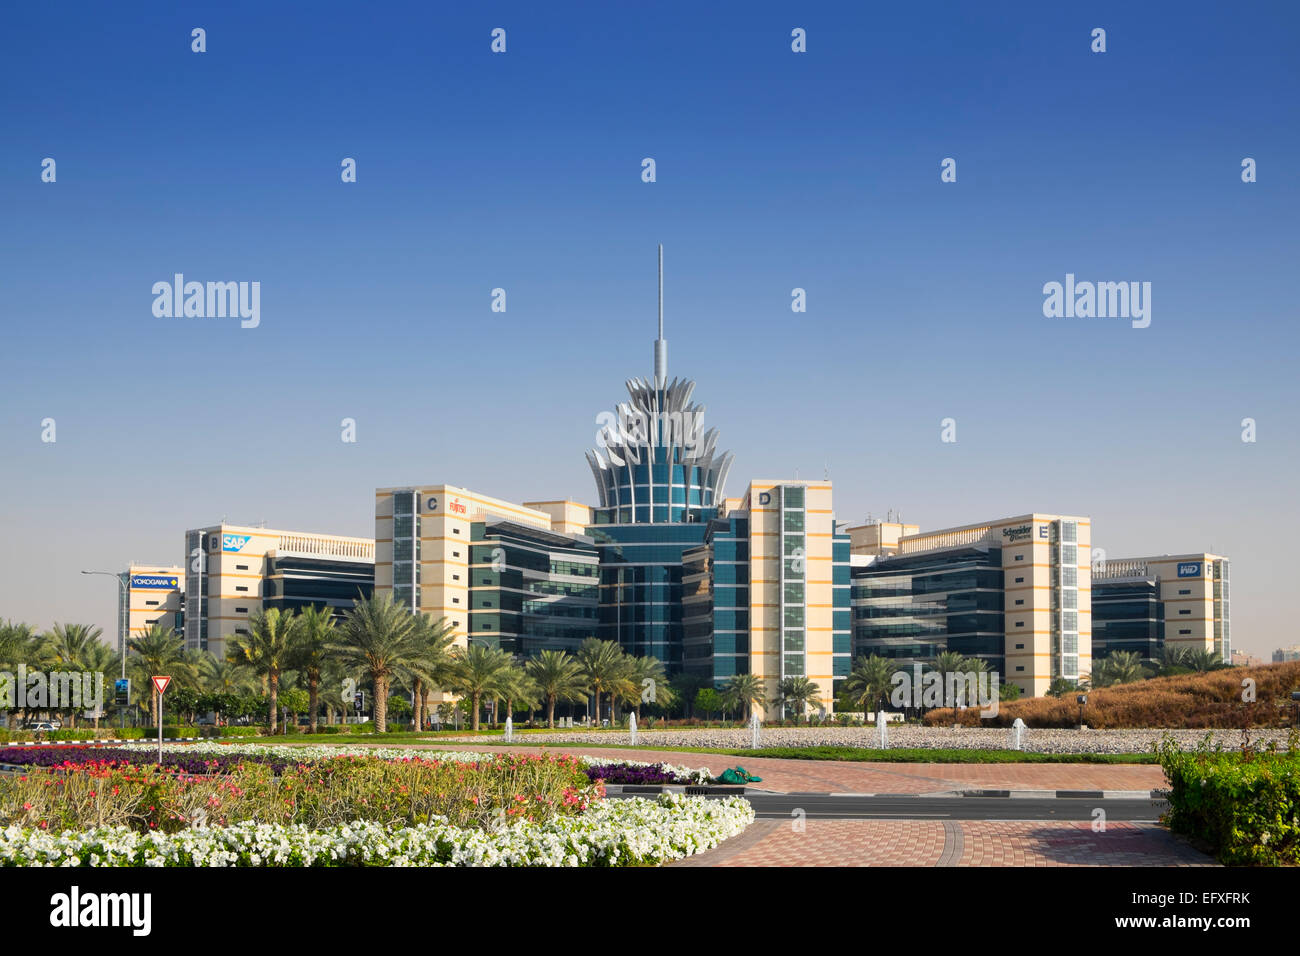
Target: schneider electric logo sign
{"x": 1189, "y": 569}
{"x": 234, "y": 542}
{"x": 1018, "y": 534}
{"x": 155, "y": 582}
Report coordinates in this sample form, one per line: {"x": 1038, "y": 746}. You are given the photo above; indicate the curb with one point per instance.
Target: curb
{"x": 689, "y": 789}
{"x": 151, "y": 741}
{"x": 1068, "y": 794}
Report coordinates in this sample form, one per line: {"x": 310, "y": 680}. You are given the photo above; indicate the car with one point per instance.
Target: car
{"x": 45, "y": 726}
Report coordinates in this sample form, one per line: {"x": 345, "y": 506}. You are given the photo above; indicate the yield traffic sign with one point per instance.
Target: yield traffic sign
{"x": 160, "y": 684}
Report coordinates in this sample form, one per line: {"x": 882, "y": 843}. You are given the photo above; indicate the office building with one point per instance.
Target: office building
{"x": 153, "y": 596}
{"x": 1147, "y": 604}
{"x": 1014, "y": 592}
{"x": 237, "y": 571}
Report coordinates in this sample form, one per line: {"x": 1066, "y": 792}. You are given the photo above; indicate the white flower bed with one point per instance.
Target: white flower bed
{"x": 692, "y": 774}
{"x": 613, "y": 833}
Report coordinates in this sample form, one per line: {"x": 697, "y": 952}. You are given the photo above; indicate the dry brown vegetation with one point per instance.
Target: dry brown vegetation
{"x": 1189, "y": 701}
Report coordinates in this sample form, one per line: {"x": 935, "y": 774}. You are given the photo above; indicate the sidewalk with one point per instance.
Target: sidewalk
{"x": 948, "y": 843}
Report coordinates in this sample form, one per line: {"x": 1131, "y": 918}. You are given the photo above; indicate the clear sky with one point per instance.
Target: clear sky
{"x": 522, "y": 170}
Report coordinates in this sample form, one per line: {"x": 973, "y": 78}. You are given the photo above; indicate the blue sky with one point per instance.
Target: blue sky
{"x": 522, "y": 171}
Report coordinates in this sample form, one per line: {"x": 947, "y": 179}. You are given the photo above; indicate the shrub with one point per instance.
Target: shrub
{"x": 129, "y": 733}
{"x": 1193, "y": 701}
{"x": 1244, "y": 804}
{"x": 327, "y": 728}
{"x": 179, "y": 730}
{"x": 239, "y": 731}
{"x": 506, "y": 788}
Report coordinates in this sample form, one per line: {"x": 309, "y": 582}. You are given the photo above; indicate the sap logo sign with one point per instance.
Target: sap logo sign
{"x": 1191, "y": 569}
{"x": 234, "y": 542}
{"x": 764, "y": 497}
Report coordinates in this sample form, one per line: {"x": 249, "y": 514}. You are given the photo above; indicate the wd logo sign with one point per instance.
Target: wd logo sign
{"x": 1189, "y": 569}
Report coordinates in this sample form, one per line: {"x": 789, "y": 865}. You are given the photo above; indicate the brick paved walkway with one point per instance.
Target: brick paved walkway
{"x": 948, "y": 843}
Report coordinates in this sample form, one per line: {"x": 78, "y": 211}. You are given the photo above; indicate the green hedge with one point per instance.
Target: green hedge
{"x": 129, "y": 733}
{"x": 327, "y": 728}
{"x": 240, "y": 731}
{"x": 1245, "y": 806}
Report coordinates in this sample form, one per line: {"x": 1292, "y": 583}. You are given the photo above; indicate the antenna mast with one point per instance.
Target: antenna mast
{"x": 661, "y": 346}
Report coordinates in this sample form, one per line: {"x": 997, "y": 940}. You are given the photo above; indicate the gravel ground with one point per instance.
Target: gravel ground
{"x": 1041, "y": 741}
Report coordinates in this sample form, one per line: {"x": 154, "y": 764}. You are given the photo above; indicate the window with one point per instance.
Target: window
{"x": 455, "y": 554}
{"x": 455, "y": 530}
{"x": 1184, "y": 590}
{"x": 456, "y": 577}
{"x": 455, "y": 600}
{"x": 1185, "y": 610}
{"x": 1184, "y": 630}
{"x": 1020, "y": 580}
{"x": 1020, "y": 557}
{"x": 1019, "y": 668}
{"x": 1018, "y": 601}
{"x": 1020, "y": 647}
{"x": 151, "y": 603}
{"x": 240, "y": 587}
{"x": 1020, "y": 623}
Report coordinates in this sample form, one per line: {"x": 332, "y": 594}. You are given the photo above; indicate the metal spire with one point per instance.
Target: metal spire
{"x": 661, "y": 346}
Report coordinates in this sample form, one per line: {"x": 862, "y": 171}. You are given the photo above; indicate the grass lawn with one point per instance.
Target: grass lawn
{"x": 493, "y": 738}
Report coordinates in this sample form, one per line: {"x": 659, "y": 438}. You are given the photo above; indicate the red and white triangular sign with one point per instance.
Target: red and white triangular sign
{"x": 160, "y": 683}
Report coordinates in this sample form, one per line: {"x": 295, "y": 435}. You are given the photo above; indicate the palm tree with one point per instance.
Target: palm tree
{"x": 1119, "y": 667}
{"x": 745, "y": 690}
{"x": 641, "y": 675}
{"x": 158, "y": 651}
{"x": 66, "y": 648}
{"x": 379, "y": 638}
{"x": 603, "y": 666}
{"x": 868, "y": 683}
{"x": 101, "y": 660}
{"x": 518, "y": 687}
{"x": 1204, "y": 660}
{"x": 945, "y": 663}
{"x": 475, "y": 672}
{"x": 316, "y": 629}
{"x": 429, "y": 661}
{"x": 559, "y": 677}
{"x": 266, "y": 648}
{"x": 799, "y": 692}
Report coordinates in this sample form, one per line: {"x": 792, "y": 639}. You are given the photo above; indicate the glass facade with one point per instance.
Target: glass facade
{"x": 1127, "y": 615}
{"x": 531, "y": 590}
{"x": 292, "y": 583}
{"x": 914, "y": 607}
{"x": 406, "y": 549}
{"x": 641, "y": 593}
{"x": 715, "y": 602}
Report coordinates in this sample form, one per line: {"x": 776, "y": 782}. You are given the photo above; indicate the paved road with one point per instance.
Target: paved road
{"x": 826, "y": 806}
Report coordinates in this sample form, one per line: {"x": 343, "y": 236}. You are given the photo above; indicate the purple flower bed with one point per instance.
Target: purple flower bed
{"x": 135, "y": 757}
{"x": 622, "y": 773}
